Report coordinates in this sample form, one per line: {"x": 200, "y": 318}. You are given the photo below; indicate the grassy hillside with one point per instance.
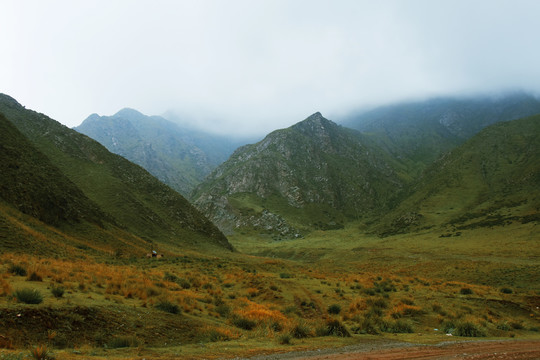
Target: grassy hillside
{"x": 491, "y": 180}
{"x": 31, "y": 183}
{"x": 136, "y": 201}
{"x": 419, "y": 132}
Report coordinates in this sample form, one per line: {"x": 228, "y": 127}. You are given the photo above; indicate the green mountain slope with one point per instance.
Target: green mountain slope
{"x": 313, "y": 175}
{"x": 138, "y": 202}
{"x": 179, "y": 157}
{"x": 420, "y": 132}
{"x": 491, "y": 180}
{"x": 31, "y": 183}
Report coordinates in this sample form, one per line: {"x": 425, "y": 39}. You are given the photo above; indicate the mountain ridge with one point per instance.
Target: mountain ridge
{"x": 138, "y": 202}
{"x": 299, "y": 168}
{"x": 178, "y": 157}
{"x": 419, "y": 132}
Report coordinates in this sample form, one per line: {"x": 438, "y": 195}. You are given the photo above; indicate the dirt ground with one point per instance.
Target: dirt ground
{"x": 477, "y": 350}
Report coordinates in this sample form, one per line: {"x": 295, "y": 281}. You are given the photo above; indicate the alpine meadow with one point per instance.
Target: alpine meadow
{"x": 269, "y": 180}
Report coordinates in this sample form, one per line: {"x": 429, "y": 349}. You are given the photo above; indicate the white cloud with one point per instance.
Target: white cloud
{"x": 253, "y": 66}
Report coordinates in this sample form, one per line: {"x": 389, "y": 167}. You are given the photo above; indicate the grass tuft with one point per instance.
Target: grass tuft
{"x": 17, "y": 270}
{"x": 334, "y": 309}
{"x": 57, "y": 291}
{"x": 123, "y": 342}
{"x": 28, "y": 296}
{"x": 41, "y": 353}
{"x": 167, "y": 306}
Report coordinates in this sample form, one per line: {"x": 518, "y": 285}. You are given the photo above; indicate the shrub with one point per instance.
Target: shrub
{"x": 506, "y": 290}
{"x": 170, "y": 277}
{"x": 379, "y": 303}
{"x": 57, "y": 291}
{"x": 300, "y": 331}
{"x": 369, "y": 325}
{"x": 516, "y": 325}
{"x": 41, "y": 353}
{"x": 465, "y": 291}
{"x": 503, "y": 326}
{"x": 184, "y": 284}
{"x": 223, "y": 310}
{"x": 17, "y": 270}
{"x": 334, "y": 309}
{"x": 468, "y": 329}
{"x": 285, "y": 339}
{"x": 333, "y": 328}
{"x": 215, "y": 335}
{"x": 285, "y": 275}
{"x": 123, "y": 342}
{"x": 34, "y": 277}
{"x": 244, "y": 323}
{"x": 29, "y": 296}
{"x": 276, "y": 326}
{"x": 396, "y": 327}
{"x": 167, "y": 306}
{"x": 448, "y": 327}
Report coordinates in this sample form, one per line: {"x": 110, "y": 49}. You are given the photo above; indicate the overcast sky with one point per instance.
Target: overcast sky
{"x": 254, "y": 66}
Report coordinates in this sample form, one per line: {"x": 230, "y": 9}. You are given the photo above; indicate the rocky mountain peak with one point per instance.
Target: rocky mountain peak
{"x": 316, "y": 126}
{"x": 129, "y": 113}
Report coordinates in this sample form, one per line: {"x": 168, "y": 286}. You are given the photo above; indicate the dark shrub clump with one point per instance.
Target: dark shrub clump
{"x": 17, "y": 270}
{"x": 168, "y": 306}
{"x": 29, "y": 296}
{"x": 334, "y": 309}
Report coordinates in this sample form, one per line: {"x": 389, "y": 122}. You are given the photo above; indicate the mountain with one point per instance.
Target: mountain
{"x": 491, "y": 180}
{"x": 313, "y": 175}
{"x": 419, "y": 132}
{"x": 69, "y": 181}
{"x": 178, "y": 156}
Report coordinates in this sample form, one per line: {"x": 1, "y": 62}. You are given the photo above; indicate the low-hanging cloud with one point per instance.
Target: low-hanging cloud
{"x": 248, "y": 67}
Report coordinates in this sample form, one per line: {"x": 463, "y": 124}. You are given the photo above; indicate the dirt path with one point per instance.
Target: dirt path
{"x": 477, "y": 350}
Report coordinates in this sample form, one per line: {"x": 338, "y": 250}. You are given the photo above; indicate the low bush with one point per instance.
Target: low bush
{"x": 465, "y": 291}
{"x": 57, "y": 291}
{"x": 214, "y": 335}
{"x": 41, "y": 353}
{"x": 333, "y": 328}
{"x": 170, "y": 277}
{"x": 34, "y": 277}
{"x": 223, "y": 310}
{"x": 448, "y": 327}
{"x": 506, "y": 290}
{"x": 17, "y": 270}
{"x": 123, "y": 342}
{"x": 397, "y": 327}
{"x": 369, "y": 325}
{"x": 378, "y": 303}
{"x": 28, "y": 296}
{"x": 300, "y": 331}
{"x": 244, "y": 323}
{"x": 167, "y": 306}
{"x": 285, "y": 275}
{"x": 468, "y": 329}
{"x": 334, "y": 309}
{"x": 516, "y": 325}
{"x": 285, "y": 339}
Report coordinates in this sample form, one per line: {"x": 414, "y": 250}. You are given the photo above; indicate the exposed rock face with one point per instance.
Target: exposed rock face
{"x": 313, "y": 164}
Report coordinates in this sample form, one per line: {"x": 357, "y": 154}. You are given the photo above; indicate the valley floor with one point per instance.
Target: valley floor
{"x": 330, "y": 290}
